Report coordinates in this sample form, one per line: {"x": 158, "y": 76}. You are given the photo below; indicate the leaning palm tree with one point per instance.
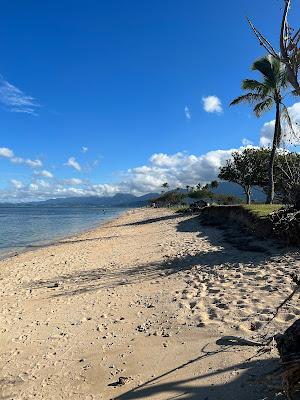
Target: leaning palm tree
{"x": 263, "y": 95}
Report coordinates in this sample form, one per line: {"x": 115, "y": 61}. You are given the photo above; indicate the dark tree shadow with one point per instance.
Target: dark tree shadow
{"x": 152, "y": 220}
{"x": 250, "y": 384}
{"x": 227, "y": 251}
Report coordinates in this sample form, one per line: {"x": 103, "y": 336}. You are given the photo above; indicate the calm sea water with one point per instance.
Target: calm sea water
{"x": 24, "y": 226}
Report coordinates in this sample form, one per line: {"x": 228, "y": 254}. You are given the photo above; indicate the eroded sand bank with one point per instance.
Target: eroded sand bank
{"x": 149, "y": 297}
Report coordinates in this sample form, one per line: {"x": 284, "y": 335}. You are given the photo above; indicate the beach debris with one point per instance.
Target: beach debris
{"x": 121, "y": 381}
{"x": 141, "y": 328}
{"x": 53, "y": 285}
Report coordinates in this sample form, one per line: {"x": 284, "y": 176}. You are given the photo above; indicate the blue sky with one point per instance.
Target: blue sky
{"x": 125, "y": 80}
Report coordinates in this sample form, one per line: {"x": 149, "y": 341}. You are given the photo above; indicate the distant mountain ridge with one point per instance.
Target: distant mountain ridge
{"x": 130, "y": 200}
{"x": 118, "y": 200}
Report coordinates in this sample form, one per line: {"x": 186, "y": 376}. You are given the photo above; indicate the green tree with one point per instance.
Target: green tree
{"x": 169, "y": 199}
{"x": 247, "y": 168}
{"x": 214, "y": 184}
{"x": 263, "y": 96}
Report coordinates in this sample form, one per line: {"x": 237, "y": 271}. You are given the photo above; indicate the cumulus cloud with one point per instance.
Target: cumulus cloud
{"x": 73, "y": 163}
{"x": 15, "y": 100}
{"x": 212, "y": 104}
{"x": 8, "y": 153}
{"x": 187, "y": 112}
{"x": 290, "y": 137}
{"x": 44, "y": 173}
{"x": 5, "y": 152}
{"x": 179, "y": 169}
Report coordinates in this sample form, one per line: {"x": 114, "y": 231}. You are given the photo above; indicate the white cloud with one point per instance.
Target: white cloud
{"x": 8, "y": 153}
{"x": 5, "y": 152}
{"x": 33, "y": 187}
{"x": 267, "y": 131}
{"x": 73, "y": 181}
{"x": 73, "y": 163}
{"x": 179, "y": 169}
{"x": 31, "y": 163}
{"x": 247, "y": 142}
{"x": 15, "y": 100}
{"x": 212, "y": 104}
{"x": 187, "y": 112}
{"x": 44, "y": 173}
{"x": 17, "y": 184}
{"x": 84, "y": 149}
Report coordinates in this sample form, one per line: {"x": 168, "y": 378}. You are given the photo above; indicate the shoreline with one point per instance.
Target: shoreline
{"x": 143, "y": 306}
{"x": 57, "y": 240}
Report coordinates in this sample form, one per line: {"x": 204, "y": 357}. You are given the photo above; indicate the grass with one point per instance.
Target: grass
{"x": 262, "y": 210}
{"x": 180, "y": 209}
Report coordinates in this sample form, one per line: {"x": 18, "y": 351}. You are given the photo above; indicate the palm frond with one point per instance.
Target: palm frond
{"x": 273, "y": 71}
{"x": 247, "y": 98}
{"x": 263, "y": 106}
{"x": 253, "y": 84}
{"x": 264, "y": 66}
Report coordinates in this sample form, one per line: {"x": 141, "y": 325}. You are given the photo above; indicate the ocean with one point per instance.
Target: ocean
{"x": 24, "y": 226}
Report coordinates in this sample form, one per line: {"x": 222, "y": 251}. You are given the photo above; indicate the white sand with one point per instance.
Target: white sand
{"x": 148, "y": 297}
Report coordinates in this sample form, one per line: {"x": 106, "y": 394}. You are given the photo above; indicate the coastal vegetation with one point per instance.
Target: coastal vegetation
{"x": 263, "y": 95}
{"x": 262, "y": 210}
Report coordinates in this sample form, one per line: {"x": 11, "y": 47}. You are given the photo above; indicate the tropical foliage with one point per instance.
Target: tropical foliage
{"x": 263, "y": 95}
{"x": 247, "y": 169}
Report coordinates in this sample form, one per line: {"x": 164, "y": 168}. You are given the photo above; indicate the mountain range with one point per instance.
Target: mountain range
{"x": 130, "y": 200}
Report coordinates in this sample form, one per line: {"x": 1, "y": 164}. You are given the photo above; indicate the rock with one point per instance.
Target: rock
{"x": 288, "y": 345}
{"x": 121, "y": 381}
{"x": 53, "y": 285}
{"x": 141, "y": 328}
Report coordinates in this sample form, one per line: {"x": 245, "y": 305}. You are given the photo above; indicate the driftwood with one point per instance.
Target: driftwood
{"x": 286, "y": 224}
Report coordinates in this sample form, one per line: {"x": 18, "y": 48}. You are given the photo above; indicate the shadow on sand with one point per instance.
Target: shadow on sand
{"x": 258, "y": 379}
{"x": 226, "y": 251}
{"x": 152, "y": 220}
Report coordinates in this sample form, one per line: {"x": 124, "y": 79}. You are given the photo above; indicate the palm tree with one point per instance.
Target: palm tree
{"x": 214, "y": 184}
{"x": 263, "y": 95}
{"x": 165, "y": 186}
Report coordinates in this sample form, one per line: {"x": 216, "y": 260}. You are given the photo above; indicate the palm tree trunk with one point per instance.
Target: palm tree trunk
{"x": 276, "y": 142}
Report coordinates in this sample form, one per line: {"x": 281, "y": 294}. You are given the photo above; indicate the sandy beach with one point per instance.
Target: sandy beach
{"x": 152, "y": 305}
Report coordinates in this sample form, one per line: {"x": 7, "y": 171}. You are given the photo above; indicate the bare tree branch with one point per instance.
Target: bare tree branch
{"x": 289, "y": 52}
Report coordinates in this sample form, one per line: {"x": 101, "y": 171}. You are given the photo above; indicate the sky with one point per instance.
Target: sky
{"x": 98, "y": 97}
